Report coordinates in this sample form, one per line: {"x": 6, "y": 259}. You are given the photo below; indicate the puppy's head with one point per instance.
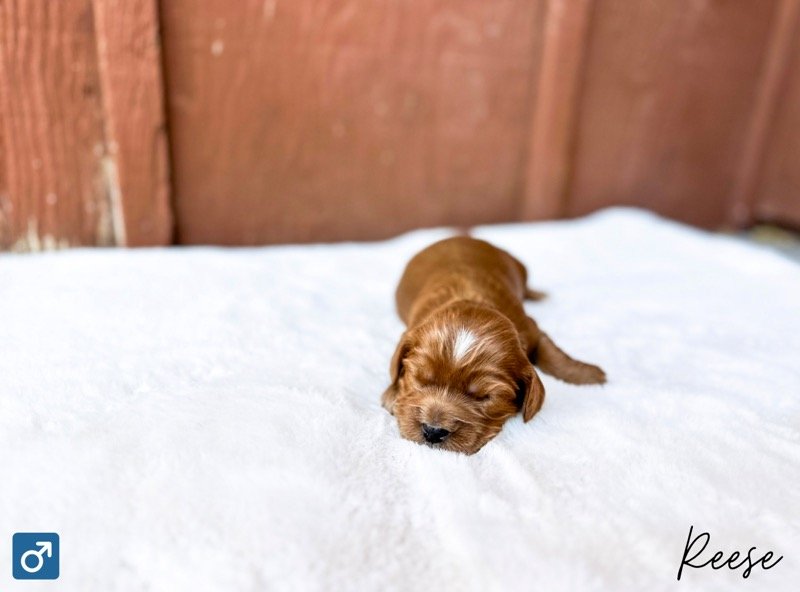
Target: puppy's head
{"x": 458, "y": 376}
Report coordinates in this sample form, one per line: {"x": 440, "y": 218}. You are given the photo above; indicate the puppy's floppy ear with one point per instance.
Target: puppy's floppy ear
{"x": 530, "y": 393}
{"x": 396, "y": 371}
{"x": 400, "y": 353}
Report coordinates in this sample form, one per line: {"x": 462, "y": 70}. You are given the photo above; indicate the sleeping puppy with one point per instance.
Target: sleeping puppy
{"x": 465, "y": 363}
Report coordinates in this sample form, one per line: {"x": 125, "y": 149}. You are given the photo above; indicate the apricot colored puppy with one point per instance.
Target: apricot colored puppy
{"x": 465, "y": 363}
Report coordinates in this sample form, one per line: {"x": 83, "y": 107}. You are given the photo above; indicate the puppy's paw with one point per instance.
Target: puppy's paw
{"x": 535, "y": 295}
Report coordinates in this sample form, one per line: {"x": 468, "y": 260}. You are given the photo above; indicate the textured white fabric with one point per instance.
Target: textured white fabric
{"x": 209, "y": 419}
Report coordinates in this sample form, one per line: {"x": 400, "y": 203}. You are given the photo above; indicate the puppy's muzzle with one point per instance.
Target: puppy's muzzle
{"x": 433, "y": 434}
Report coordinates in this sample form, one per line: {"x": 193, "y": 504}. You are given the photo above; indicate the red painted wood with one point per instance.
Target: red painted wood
{"x": 51, "y": 180}
{"x": 667, "y": 98}
{"x": 129, "y": 54}
{"x": 83, "y": 157}
{"x": 777, "y": 194}
{"x": 299, "y": 121}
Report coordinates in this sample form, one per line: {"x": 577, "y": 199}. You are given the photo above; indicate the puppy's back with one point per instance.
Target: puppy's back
{"x": 459, "y": 264}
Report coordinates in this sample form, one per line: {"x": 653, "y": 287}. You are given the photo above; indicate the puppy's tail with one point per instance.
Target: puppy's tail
{"x": 551, "y": 360}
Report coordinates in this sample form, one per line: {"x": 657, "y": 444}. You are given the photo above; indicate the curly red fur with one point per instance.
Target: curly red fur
{"x": 464, "y": 363}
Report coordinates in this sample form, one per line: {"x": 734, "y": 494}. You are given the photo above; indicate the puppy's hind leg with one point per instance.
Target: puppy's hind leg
{"x": 551, "y": 360}
{"x": 527, "y": 293}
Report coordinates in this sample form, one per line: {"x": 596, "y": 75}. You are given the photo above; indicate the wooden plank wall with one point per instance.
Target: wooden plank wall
{"x": 304, "y": 120}
{"x": 82, "y": 143}
{"x": 668, "y": 91}
{"x": 774, "y": 193}
{"x": 301, "y": 120}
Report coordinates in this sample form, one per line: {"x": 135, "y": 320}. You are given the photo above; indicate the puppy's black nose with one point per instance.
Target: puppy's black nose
{"x": 433, "y": 434}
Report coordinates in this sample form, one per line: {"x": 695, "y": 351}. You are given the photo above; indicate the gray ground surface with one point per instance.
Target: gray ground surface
{"x": 783, "y": 241}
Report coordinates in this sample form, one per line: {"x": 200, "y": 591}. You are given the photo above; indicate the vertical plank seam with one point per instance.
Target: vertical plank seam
{"x": 108, "y": 163}
{"x": 172, "y": 197}
{"x": 537, "y": 50}
{"x": 772, "y": 80}
{"x": 571, "y": 148}
{"x": 136, "y": 162}
{"x": 554, "y": 122}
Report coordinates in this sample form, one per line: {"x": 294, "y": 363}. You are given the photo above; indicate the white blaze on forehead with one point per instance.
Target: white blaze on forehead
{"x": 465, "y": 340}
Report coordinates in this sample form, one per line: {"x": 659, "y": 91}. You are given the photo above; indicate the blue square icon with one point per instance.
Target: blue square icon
{"x": 35, "y": 555}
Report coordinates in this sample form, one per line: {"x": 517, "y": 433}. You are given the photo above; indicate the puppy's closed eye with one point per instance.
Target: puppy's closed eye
{"x": 426, "y": 380}
{"x": 477, "y": 393}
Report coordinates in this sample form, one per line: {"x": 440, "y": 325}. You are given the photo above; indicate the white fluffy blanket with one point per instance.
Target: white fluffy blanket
{"x": 208, "y": 419}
